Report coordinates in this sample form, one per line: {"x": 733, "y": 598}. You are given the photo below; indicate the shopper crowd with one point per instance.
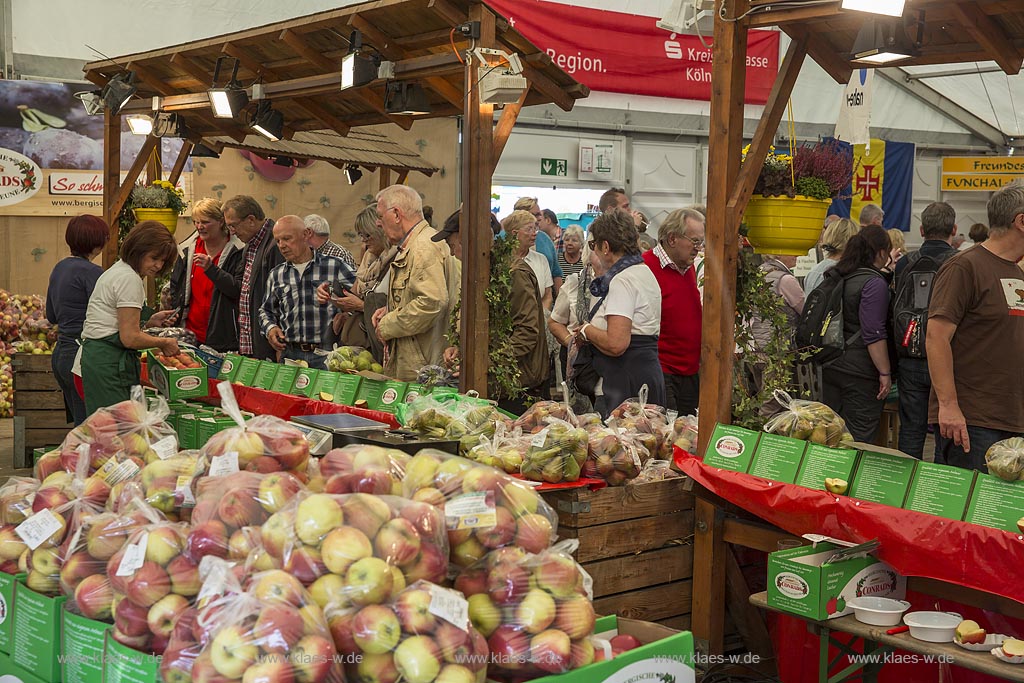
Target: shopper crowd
{"x": 611, "y": 309}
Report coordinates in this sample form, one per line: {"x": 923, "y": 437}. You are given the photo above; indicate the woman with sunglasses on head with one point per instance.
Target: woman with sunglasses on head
{"x": 624, "y": 318}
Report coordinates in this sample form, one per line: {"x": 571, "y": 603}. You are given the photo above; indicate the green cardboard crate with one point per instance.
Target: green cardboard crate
{"x": 731, "y": 448}
{"x": 82, "y": 648}
{"x": 305, "y": 379}
{"x": 229, "y": 368}
{"x": 188, "y": 431}
{"x": 208, "y": 426}
{"x": 664, "y": 655}
{"x": 802, "y": 582}
{"x": 179, "y": 383}
{"x": 284, "y": 379}
{"x": 264, "y": 378}
{"x": 392, "y": 396}
{"x": 347, "y": 388}
{"x": 415, "y": 391}
{"x": 246, "y": 372}
{"x": 12, "y": 673}
{"x": 121, "y": 664}
{"x": 36, "y": 632}
{"x": 325, "y": 383}
{"x": 7, "y": 582}
{"x": 370, "y": 391}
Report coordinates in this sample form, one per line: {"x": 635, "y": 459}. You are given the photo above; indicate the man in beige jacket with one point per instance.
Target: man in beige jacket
{"x": 413, "y": 324}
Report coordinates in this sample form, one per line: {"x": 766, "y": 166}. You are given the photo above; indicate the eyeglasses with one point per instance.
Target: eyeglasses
{"x": 697, "y": 243}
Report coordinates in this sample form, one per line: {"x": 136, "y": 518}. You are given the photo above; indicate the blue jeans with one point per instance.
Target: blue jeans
{"x": 915, "y": 385}
{"x": 948, "y": 453}
{"x": 315, "y": 360}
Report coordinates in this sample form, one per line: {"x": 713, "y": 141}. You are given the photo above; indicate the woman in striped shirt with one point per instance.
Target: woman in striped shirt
{"x": 571, "y": 258}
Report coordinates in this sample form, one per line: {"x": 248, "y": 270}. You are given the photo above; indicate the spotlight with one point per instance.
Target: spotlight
{"x": 282, "y": 160}
{"x": 406, "y": 98}
{"x": 92, "y": 101}
{"x": 226, "y": 102}
{"x": 353, "y": 174}
{"x": 139, "y": 124}
{"x": 118, "y": 91}
{"x": 891, "y": 8}
{"x": 357, "y": 70}
{"x": 268, "y": 122}
{"x": 169, "y": 125}
{"x": 201, "y": 150}
{"x": 881, "y": 42}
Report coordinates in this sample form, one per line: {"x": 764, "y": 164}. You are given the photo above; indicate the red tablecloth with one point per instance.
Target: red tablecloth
{"x": 286, "y": 406}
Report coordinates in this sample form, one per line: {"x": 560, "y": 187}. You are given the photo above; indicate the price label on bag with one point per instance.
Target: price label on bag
{"x": 449, "y": 605}
{"x": 183, "y": 485}
{"x": 539, "y": 438}
{"x": 471, "y": 511}
{"x": 134, "y": 556}
{"x": 114, "y": 472}
{"x": 224, "y": 464}
{"x": 166, "y": 447}
{"x": 38, "y": 528}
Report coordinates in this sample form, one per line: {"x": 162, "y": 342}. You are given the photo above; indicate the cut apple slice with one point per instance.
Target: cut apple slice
{"x": 1013, "y": 647}
{"x": 835, "y": 485}
{"x": 969, "y": 631}
{"x": 326, "y": 396}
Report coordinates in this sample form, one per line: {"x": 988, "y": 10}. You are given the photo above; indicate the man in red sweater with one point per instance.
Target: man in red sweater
{"x": 680, "y": 239}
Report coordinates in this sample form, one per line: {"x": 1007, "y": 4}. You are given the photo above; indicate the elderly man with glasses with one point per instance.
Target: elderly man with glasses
{"x": 680, "y": 240}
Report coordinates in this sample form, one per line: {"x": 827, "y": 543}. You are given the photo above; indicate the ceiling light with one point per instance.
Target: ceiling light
{"x": 356, "y": 69}
{"x": 229, "y": 100}
{"x": 139, "y": 124}
{"x": 353, "y": 174}
{"x": 92, "y": 101}
{"x": 406, "y": 98}
{"x": 118, "y": 91}
{"x": 201, "y": 150}
{"x": 882, "y": 42}
{"x": 891, "y": 8}
{"x": 268, "y": 122}
{"x": 169, "y": 125}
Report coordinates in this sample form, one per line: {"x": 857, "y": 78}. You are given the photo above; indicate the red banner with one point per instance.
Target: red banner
{"x": 628, "y": 53}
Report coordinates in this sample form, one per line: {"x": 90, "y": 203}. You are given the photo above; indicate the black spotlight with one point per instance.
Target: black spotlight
{"x": 118, "y": 91}
{"x": 268, "y": 122}
{"x": 353, "y": 174}
{"x": 201, "y": 150}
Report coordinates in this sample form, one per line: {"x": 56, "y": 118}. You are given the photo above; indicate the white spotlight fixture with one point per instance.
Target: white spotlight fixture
{"x": 139, "y": 124}
{"x": 889, "y": 8}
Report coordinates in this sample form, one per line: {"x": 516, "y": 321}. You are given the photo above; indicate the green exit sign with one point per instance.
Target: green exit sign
{"x": 554, "y": 166}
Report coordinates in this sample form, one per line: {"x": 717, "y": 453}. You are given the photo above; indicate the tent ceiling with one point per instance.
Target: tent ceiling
{"x": 299, "y": 63}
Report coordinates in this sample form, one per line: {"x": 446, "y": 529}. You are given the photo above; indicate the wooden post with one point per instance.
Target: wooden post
{"x": 709, "y": 549}
{"x": 475, "y": 221}
{"x": 503, "y": 129}
{"x": 111, "y": 181}
{"x": 179, "y": 163}
{"x": 728, "y": 75}
{"x": 385, "y": 177}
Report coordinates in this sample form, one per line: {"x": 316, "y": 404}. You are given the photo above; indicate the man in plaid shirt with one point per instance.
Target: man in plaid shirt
{"x": 290, "y": 317}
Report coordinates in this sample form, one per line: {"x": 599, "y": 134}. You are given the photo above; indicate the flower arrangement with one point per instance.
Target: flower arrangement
{"x": 158, "y": 195}
{"x": 821, "y": 170}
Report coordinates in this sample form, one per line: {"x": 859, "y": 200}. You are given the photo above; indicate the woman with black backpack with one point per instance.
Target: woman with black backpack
{"x": 857, "y": 383}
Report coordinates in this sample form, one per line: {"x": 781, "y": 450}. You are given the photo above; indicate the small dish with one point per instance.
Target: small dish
{"x": 992, "y": 640}
{"x": 1000, "y": 655}
{"x": 932, "y": 627}
{"x": 878, "y": 611}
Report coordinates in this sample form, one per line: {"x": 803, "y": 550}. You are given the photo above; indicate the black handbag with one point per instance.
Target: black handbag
{"x": 584, "y": 376}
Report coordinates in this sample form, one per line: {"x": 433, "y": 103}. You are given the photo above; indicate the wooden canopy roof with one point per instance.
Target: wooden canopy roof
{"x": 953, "y": 31}
{"x": 299, "y": 63}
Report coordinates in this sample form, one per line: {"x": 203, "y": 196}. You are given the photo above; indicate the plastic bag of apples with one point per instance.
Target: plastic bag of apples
{"x": 168, "y": 485}
{"x": 47, "y": 534}
{"x": 536, "y": 611}
{"x": 484, "y": 508}
{"x": 361, "y": 546}
{"x": 423, "y": 635}
{"x": 266, "y": 443}
{"x": 363, "y": 469}
{"x": 613, "y": 455}
{"x": 15, "y": 507}
{"x": 647, "y": 421}
{"x": 272, "y": 631}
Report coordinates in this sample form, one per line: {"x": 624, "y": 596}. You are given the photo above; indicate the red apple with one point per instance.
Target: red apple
{"x": 314, "y": 659}
{"x": 575, "y": 616}
{"x": 509, "y": 646}
{"x": 149, "y": 583}
{"x": 94, "y": 597}
{"x": 130, "y": 618}
{"x": 533, "y": 533}
{"x": 164, "y": 612}
{"x": 397, "y": 542}
{"x": 431, "y": 565}
{"x": 278, "y": 628}
{"x": 413, "y": 609}
{"x": 207, "y": 538}
{"x": 239, "y": 508}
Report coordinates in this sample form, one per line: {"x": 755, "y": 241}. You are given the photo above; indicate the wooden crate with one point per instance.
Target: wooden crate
{"x": 39, "y": 417}
{"x": 636, "y": 543}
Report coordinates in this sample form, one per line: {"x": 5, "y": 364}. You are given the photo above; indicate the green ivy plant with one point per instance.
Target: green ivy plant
{"x": 754, "y": 296}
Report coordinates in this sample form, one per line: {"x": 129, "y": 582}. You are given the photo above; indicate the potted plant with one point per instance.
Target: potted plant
{"x": 159, "y": 201}
{"x": 792, "y": 195}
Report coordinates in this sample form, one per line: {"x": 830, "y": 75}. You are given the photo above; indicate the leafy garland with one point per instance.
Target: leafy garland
{"x": 503, "y": 368}
{"x": 754, "y": 296}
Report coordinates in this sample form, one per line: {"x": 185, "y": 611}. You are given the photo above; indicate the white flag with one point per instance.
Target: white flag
{"x": 854, "y": 124}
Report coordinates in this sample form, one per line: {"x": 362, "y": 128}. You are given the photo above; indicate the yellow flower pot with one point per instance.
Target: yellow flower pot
{"x": 169, "y": 217}
{"x": 784, "y": 225}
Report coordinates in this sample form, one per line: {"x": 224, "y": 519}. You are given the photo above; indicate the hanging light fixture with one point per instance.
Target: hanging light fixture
{"x": 169, "y": 125}
{"x": 890, "y": 8}
{"x": 200, "y": 150}
{"x": 118, "y": 91}
{"x": 139, "y": 124}
{"x": 268, "y": 122}
{"x": 357, "y": 69}
{"x": 229, "y": 100}
{"x": 92, "y": 100}
{"x": 353, "y": 174}
{"x": 402, "y": 97}
{"x": 882, "y": 41}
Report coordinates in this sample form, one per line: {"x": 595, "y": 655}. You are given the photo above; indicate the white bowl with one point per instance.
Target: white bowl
{"x": 878, "y": 611}
{"x": 933, "y": 627}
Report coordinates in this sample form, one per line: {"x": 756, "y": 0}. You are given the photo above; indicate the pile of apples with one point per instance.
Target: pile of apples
{"x": 463, "y": 489}
{"x": 272, "y": 632}
{"x": 15, "y": 507}
{"x": 181, "y": 361}
{"x": 534, "y": 611}
{"x": 407, "y": 640}
{"x": 265, "y": 444}
{"x": 363, "y": 469}
{"x": 165, "y": 484}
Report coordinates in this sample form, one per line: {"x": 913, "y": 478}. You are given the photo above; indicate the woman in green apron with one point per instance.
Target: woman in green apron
{"x": 112, "y": 334}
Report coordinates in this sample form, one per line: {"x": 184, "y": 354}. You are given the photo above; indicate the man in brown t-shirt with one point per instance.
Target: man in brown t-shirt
{"x": 975, "y": 340}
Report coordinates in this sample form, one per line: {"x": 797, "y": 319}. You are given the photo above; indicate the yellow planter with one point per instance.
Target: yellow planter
{"x": 168, "y": 217}
{"x": 785, "y": 225}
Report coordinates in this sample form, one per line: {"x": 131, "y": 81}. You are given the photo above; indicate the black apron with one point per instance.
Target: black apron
{"x": 109, "y": 371}
{"x": 623, "y": 376}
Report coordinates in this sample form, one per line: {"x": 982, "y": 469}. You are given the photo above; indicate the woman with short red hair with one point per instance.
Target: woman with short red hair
{"x": 71, "y": 283}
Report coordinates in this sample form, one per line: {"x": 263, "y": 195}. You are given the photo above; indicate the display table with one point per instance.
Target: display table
{"x": 878, "y": 643}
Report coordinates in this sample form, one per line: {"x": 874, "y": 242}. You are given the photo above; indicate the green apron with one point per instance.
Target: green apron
{"x": 109, "y": 370}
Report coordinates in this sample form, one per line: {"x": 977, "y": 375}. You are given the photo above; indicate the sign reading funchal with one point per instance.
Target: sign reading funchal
{"x": 980, "y": 174}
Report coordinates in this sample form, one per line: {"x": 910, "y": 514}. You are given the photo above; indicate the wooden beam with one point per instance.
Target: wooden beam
{"x": 376, "y": 102}
{"x": 111, "y": 181}
{"x": 709, "y": 567}
{"x": 446, "y": 90}
{"x": 198, "y": 73}
{"x": 403, "y": 175}
{"x": 424, "y": 40}
{"x": 445, "y": 63}
{"x": 821, "y": 52}
{"x": 299, "y": 44}
{"x": 249, "y": 62}
{"x": 125, "y": 189}
{"x": 372, "y": 35}
{"x": 989, "y": 35}
{"x": 155, "y": 164}
{"x": 385, "y": 178}
{"x": 547, "y": 87}
{"x": 725, "y": 133}
{"x": 179, "y": 163}
{"x": 506, "y": 122}
{"x": 748, "y": 619}
{"x": 322, "y": 115}
{"x": 781, "y": 17}
{"x": 448, "y": 12}
{"x": 771, "y": 117}
{"x": 475, "y": 221}
{"x": 150, "y": 79}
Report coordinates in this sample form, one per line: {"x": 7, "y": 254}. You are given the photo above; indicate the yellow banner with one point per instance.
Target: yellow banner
{"x": 959, "y": 182}
{"x": 982, "y": 165}
{"x": 868, "y": 173}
